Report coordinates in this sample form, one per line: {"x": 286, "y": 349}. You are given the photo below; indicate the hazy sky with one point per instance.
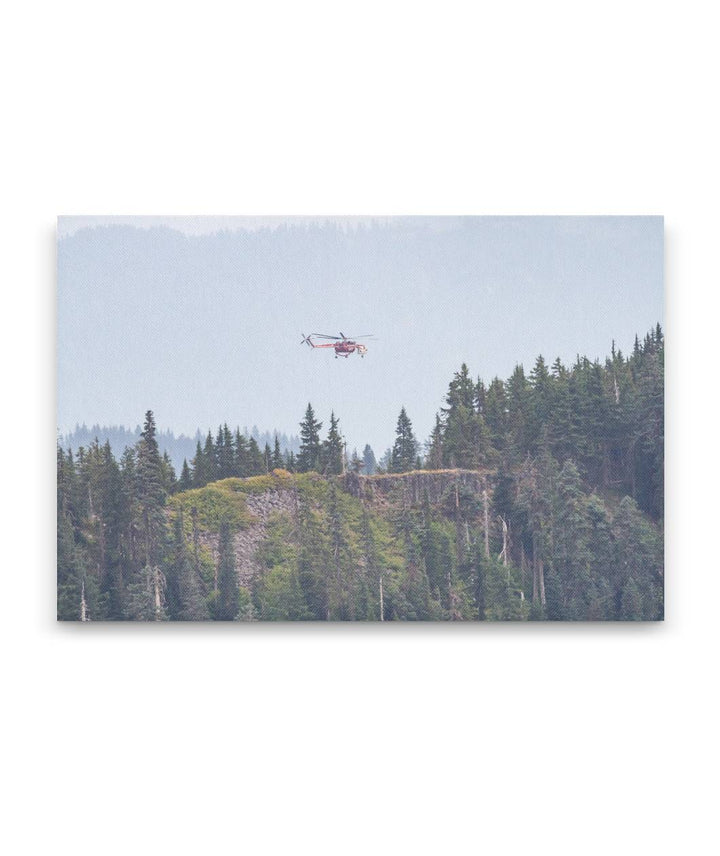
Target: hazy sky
{"x": 199, "y": 318}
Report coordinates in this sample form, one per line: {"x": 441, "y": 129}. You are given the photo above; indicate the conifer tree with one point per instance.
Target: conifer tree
{"x": 224, "y": 453}
{"x": 383, "y": 465}
{"x": 228, "y": 599}
{"x": 480, "y": 397}
{"x": 255, "y": 459}
{"x": 115, "y": 514}
{"x": 540, "y": 402}
{"x": 151, "y": 493}
{"x": 631, "y": 608}
{"x": 314, "y": 558}
{"x": 332, "y": 452}
{"x": 356, "y": 462}
{"x": 517, "y": 392}
{"x": 184, "y": 584}
{"x": 465, "y": 437}
{"x": 277, "y": 458}
{"x": 369, "y": 462}
{"x": 495, "y": 413}
{"x": 309, "y": 457}
{"x": 146, "y": 595}
{"x": 199, "y": 470}
{"x": 210, "y": 459}
{"x": 168, "y": 472}
{"x": 241, "y": 466}
{"x": 267, "y": 458}
{"x": 404, "y": 452}
{"x": 185, "y": 480}
{"x": 341, "y": 585}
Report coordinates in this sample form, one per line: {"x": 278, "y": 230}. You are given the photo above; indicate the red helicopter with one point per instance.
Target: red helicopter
{"x": 343, "y": 345}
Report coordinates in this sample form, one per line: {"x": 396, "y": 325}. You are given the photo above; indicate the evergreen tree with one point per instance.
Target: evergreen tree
{"x": 184, "y": 583}
{"x": 200, "y": 475}
{"x": 383, "y": 465}
{"x": 313, "y": 559}
{"x": 631, "y": 602}
{"x": 435, "y": 459}
{"x": 224, "y": 453}
{"x": 404, "y": 452}
{"x": 115, "y": 517}
{"x": 356, "y": 462}
{"x": 332, "y": 453}
{"x": 210, "y": 459}
{"x": 465, "y": 438}
{"x": 256, "y": 465}
{"x": 541, "y": 404}
{"x": 369, "y": 462}
{"x": 341, "y": 582}
{"x": 151, "y": 493}
{"x": 309, "y": 457}
{"x": 267, "y": 458}
{"x": 228, "y": 599}
{"x": 277, "y": 458}
{"x": 168, "y": 473}
{"x": 241, "y": 465}
{"x": 146, "y": 595}
{"x": 495, "y": 413}
{"x": 185, "y": 482}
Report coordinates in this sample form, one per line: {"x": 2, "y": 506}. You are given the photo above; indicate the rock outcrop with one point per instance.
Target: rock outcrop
{"x": 246, "y": 541}
{"x": 383, "y": 488}
{"x": 379, "y": 490}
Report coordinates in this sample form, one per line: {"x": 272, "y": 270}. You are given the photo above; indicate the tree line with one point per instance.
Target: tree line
{"x": 562, "y": 529}
{"x": 178, "y": 447}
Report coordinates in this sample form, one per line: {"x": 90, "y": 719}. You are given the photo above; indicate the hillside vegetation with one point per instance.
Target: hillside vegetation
{"x": 535, "y": 498}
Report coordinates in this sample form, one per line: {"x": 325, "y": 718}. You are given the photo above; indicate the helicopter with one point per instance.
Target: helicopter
{"x": 343, "y": 345}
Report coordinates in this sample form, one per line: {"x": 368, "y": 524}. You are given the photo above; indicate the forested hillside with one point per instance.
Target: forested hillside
{"x": 538, "y": 497}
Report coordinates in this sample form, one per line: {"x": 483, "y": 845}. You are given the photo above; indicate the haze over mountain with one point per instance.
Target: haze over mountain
{"x": 178, "y": 447}
{"x": 204, "y": 328}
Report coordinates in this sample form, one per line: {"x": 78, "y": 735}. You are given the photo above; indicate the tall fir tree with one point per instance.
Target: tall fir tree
{"x": 151, "y": 492}
{"x": 227, "y": 604}
{"x": 405, "y": 449}
{"x": 277, "y": 458}
{"x": 369, "y": 462}
{"x": 185, "y": 481}
{"x": 333, "y": 451}
{"x": 310, "y": 455}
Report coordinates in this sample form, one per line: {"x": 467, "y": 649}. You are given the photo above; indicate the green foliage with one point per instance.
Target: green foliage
{"x": 573, "y": 462}
{"x": 146, "y": 595}
{"x": 278, "y": 594}
{"x": 185, "y": 589}
{"x": 215, "y": 503}
{"x": 404, "y": 452}
{"x": 369, "y": 462}
{"x": 333, "y": 449}
{"x": 227, "y": 602}
{"x": 310, "y": 455}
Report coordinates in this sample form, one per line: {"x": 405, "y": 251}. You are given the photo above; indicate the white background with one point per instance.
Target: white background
{"x": 316, "y": 739}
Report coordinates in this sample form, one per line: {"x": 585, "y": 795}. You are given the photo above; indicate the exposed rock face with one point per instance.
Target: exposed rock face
{"x": 246, "y": 541}
{"x": 379, "y": 490}
{"x": 435, "y": 482}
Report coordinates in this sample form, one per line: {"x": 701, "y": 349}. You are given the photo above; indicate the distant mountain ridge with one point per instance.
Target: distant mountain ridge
{"x": 179, "y": 448}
